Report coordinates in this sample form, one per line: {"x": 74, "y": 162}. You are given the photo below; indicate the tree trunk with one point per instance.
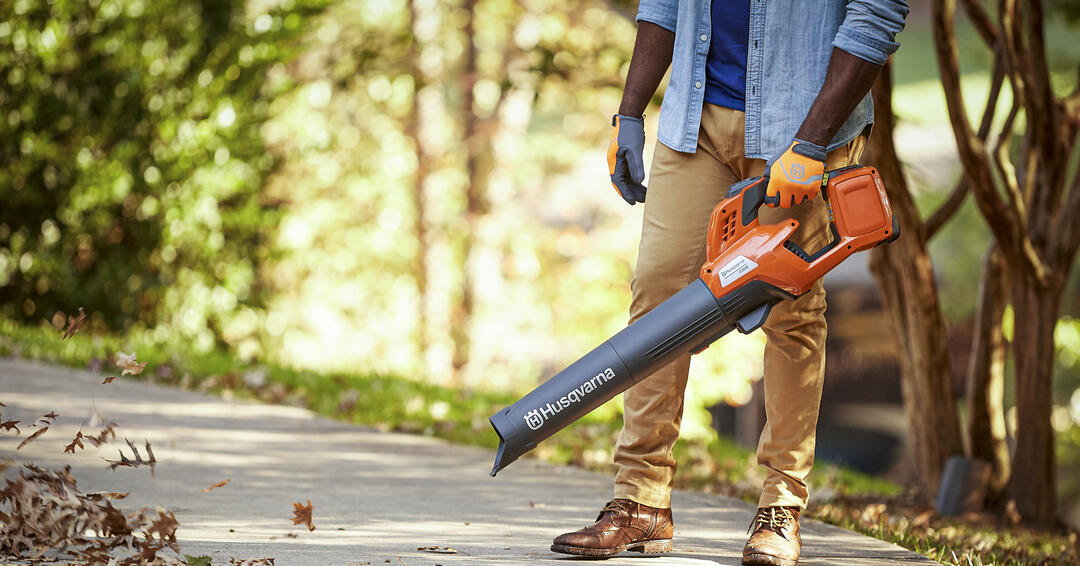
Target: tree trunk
{"x": 413, "y": 130}
{"x": 1032, "y": 485}
{"x": 986, "y": 376}
{"x": 906, "y": 280}
{"x": 1030, "y": 208}
{"x": 477, "y": 134}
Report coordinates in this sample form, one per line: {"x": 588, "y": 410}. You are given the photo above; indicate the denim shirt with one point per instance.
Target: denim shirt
{"x": 789, "y": 49}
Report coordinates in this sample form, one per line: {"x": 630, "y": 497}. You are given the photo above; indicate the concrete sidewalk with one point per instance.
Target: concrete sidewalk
{"x": 377, "y": 497}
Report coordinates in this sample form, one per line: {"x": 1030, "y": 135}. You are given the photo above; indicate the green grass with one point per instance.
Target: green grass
{"x": 840, "y": 496}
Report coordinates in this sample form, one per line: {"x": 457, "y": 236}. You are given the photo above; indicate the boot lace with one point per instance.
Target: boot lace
{"x": 616, "y": 506}
{"x": 776, "y": 519}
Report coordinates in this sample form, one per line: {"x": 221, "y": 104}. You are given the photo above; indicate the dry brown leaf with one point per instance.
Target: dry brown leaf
{"x": 128, "y": 364}
{"x": 45, "y": 420}
{"x": 437, "y": 549}
{"x": 46, "y": 512}
{"x": 251, "y": 562}
{"x": 70, "y": 448}
{"x": 108, "y": 379}
{"x": 30, "y": 438}
{"x": 109, "y": 494}
{"x": 106, "y": 434}
{"x": 302, "y": 515}
{"x": 922, "y": 519}
{"x": 217, "y": 485}
{"x": 74, "y": 324}
{"x": 10, "y": 424}
{"x": 136, "y": 461}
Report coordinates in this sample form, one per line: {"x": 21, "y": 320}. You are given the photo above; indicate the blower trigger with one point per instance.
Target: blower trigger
{"x": 754, "y": 319}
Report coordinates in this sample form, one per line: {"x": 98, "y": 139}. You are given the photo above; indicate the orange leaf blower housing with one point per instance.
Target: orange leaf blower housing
{"x": 749, "y": 268}
{"x": 739, "y": 248}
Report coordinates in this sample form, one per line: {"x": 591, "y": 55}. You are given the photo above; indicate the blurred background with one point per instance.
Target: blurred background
{"x": 418, "y": 188}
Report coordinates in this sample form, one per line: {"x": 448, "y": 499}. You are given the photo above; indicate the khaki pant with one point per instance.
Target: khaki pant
{"x": 683, "y": 190}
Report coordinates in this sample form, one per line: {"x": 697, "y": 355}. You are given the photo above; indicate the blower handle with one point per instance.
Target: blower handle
{"x": 753, "y": 191}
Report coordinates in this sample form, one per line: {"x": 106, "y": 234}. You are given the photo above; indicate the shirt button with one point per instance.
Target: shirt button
{"x": 697, "y": 84}
{"x": 704, "y": 37}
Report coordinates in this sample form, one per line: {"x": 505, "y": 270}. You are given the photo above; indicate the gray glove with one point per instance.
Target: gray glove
{"x": 625, "y": 157}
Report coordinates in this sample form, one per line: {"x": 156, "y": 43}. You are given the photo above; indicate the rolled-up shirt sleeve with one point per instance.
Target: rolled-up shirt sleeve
{"x": 663, "y": 13}
{"x": 869, "y": 29}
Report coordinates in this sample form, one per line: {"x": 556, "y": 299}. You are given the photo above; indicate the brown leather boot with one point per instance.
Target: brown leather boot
{"x": 621, "y": 525}
{"x": 774, "y": 538}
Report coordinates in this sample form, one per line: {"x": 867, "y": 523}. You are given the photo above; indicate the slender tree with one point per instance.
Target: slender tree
{"x": 906, "y": 280}
{"x": 1030, "y": 205}
{"x": 423, "y": 165}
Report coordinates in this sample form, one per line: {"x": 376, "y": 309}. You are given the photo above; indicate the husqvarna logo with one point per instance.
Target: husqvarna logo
{"x": 534, "y": 420}
{"x": 797, "y": 171}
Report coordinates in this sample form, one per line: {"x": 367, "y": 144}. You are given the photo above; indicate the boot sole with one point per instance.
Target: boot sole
{"x": 658, "y": 546}
{"x": 767, "y": 560}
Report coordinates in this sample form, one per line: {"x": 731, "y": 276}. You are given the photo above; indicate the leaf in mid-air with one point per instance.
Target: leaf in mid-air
{"x": 36, "y": 434}
{"x": 217, "y": 485}
{"x": 70, "y": 448}
{"x": 137, "y": 461}
{"x": 106, "y": 434}
{"x": 128, "y": 364}
{"x": 302, "y": 515}
{"x": 74, "y": 324}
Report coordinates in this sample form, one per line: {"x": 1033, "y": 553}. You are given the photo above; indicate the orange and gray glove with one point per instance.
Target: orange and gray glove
{"x": 625, "y": 159}
{"x": 795, "y": 176}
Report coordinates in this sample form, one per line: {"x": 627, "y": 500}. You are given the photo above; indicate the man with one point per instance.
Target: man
{"x": 783, "y": 80}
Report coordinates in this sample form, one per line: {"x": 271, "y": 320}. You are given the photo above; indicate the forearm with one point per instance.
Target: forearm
{"x": 847, "y": 81}
{"x": 651, "y": 58}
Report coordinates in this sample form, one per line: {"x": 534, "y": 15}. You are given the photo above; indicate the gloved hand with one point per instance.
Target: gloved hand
{"x": 624, "y": 157}
{"x": 795, "y": 176}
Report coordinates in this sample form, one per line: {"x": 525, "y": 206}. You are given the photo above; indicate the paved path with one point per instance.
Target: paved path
{"x": 377, "y": 497}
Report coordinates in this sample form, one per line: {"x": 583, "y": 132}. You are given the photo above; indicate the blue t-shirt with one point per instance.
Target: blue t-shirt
{"x": 725, "y": 66}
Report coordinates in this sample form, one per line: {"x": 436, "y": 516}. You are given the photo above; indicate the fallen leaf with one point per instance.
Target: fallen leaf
{"x": 10, "y": 424}
{"x": 437, "y": 549}
{"x": 51, "y": 416}
{"x": 70, "y": 448}
{"x": 922, "y": 519}
{"x": 74, "y": 324}
{"x": 128, "y": 364}
{"x": 36, "y": 434}
{"x": 217, "y": 485}
{"x": 108, "y": 379}
{"x": 45, "y": 510}
{"x": 302, "y": 515}
{"x": 197, "y": 560}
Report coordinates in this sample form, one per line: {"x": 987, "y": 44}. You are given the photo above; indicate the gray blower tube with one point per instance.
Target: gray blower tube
{"x": 684, "y": 324}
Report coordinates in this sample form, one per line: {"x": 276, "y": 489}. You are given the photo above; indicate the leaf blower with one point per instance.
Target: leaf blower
{"x": 749, "y": 268}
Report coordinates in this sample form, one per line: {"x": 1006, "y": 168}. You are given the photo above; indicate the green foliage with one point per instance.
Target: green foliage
{"x": 132, "y": 160}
